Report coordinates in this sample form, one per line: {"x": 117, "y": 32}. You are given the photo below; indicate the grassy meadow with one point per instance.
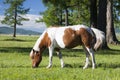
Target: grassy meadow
{"x": 15, "y": 63}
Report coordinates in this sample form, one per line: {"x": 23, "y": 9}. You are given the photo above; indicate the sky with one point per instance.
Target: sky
{"x": 36, "y": 6}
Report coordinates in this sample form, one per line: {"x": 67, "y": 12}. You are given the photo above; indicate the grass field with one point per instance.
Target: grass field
{"x": 15, "y": 63}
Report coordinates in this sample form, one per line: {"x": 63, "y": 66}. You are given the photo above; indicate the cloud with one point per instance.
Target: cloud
{"x": 31, "y": 24}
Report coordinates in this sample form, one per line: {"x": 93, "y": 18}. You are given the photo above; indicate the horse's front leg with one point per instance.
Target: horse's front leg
{"x": 50, "y": 57}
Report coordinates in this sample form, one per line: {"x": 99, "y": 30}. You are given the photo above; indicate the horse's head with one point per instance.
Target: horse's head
{"x": 41, "y": 44}
{"x": 36, "y": 57}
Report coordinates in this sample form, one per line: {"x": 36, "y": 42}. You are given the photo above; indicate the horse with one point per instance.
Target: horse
{"x": 56, "y": 38}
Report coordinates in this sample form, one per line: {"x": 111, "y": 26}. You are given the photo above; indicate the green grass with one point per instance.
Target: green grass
{"x": 15, "y": 63}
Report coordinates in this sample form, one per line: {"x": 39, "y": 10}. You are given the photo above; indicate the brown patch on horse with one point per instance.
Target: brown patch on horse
{"x": 45, "y": 42}
{"x": 74, "y": 38}
{"x": 70, "y": 38}
{"x": 86, "y": 37}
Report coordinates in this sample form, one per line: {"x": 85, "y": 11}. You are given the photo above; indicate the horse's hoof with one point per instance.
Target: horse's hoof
{"x": 85, "y": 67}
{"x": 62, "y": 66}
{"x": 49, "y": 66}
{"x": 93, "y": 67}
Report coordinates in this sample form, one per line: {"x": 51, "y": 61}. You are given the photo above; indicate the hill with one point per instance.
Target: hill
{"x": 19, "y": 31}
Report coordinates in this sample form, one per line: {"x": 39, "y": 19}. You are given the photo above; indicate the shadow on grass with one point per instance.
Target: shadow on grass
{"x": 100, "y": 65}
{"x": 65, "y": 52}
{"x": 73, "y": 66}
{"x": 18, "y": 40}
{"x": 110, "y": 51}
{"x": 111, "y": 65}
{"x": 15, "y": 50}
{"x": 19, "y": 66}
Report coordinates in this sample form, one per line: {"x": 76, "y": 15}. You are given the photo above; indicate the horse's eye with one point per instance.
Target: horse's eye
{"x": 37, "y": 52}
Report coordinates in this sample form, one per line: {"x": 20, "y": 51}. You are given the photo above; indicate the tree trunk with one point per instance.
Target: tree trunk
{"x": 110, "y": 33}
{"x": 14, "y": 34}
{"x": 15, "y": 16}
{"x": 93, "y": 13}
{"x": 60, "y": 17}
{"x": 66, "y": 17}
{"x": 102, "y": 19}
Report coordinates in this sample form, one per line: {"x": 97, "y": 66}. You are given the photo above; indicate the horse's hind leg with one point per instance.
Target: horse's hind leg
{"x": 87, "y": 58}
{"x": 60, "y": 57}
{"x": 92, "y": 56}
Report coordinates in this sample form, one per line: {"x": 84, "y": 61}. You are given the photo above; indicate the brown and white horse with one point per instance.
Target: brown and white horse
{"x": 55, "y": 38}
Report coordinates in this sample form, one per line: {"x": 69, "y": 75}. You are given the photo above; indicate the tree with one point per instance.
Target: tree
{"x": 116, "y": 12}
{"x": 50, "y": 16}
{"x": 13, "y": 14}
{"x": 59, "y": 4}
{"x": 110, "y": 32}
{"x": 93, "y": 13}
{"x": 101, "y": 22}
{"x": 105, "y": 21}
{"x": 69, "y": 12}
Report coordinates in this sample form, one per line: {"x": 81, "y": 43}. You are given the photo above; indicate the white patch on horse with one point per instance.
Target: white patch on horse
{"x": 77, "y": 27}
{"x": 59, "y": 36}
{"x": 51, "y": 34}
{"x": 60, "y": 33}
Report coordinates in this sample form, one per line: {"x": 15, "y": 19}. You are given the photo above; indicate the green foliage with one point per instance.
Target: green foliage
{"x": 79, "y": 11}
{"x": 13, "y": 14}
{"x": 116, "y": 12}
{"x": 50, "y": 16}
{"x": 15, "y": 63}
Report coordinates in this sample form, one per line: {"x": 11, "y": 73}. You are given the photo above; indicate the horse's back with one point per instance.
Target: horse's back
{"x": 66, "y": 36}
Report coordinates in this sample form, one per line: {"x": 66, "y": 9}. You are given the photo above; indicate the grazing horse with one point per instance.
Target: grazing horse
{"x": 55, "y": 38}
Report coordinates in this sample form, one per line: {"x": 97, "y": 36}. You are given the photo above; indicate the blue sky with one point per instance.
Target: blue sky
{"x": 36, "y": 6}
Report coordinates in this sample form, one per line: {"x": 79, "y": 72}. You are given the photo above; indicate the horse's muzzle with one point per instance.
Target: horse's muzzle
{"x": 34, "y": 66}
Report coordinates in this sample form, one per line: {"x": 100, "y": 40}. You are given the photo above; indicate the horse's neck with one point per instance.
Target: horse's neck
{"x": 36, "y": 46}
{"x": 43, "y": 41}
{"x": 38, "y": 42}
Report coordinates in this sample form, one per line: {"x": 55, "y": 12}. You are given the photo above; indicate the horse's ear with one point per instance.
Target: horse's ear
{"x": 33, "y": 50}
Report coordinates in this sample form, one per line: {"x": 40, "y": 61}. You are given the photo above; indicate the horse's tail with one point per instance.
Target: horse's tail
{"x": 100, "y": 38}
